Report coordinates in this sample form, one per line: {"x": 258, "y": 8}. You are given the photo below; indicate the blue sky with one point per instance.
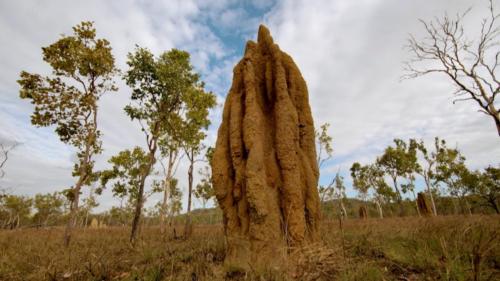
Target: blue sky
{"x": 350, "y": 53}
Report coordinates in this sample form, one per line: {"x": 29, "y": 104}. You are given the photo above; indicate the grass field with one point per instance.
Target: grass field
{"x": 410, "y": 248}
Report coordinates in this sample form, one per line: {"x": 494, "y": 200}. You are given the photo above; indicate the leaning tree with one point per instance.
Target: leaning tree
{"x": 126, "y": 175}
{"x": 82, "y": 71}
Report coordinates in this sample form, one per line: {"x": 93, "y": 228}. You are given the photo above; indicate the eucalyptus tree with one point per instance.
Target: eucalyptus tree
{"x": 161, "y": 87}
{"x": 409, "y": 186}
{"x": 428, "y": 171}
{"x": 340, "y": 193}
{"x": 488, "y": 187}
{"x": 413, "y": 168}
{"x": 173, "y": 205}
{"x": 175, "y": 199}
{"x": 170, "y": 152}
{"x": 359, "y": 179}
{"x": 126, "y": 176}
{"x": 451, "y": 170}
{"x": 372, "y": 177}
{"x": 195, "y": 121}
{"x": 326, "y": 192}
{"x": 400, "y": 162}
{"x": 18, "y": 209}
{"x": 325, "y": 151}
{"x": 90, "y": 203}
{"x": 204, "y": 189}
{"x": 47, "y": 206}
{"x": 323, "y": 144}
{"x": 83, "y": 69}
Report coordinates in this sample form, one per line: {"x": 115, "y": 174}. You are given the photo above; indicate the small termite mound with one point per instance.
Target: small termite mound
{"x": 363, "y": 214}
{"x": 264, "y": 166}
{"x": 94, "y": 223}
{"x": 423, "y": 205}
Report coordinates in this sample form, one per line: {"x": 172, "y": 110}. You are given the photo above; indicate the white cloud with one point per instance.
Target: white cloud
{"x": 351, "y": 54}
{"x": 43, "y": 163}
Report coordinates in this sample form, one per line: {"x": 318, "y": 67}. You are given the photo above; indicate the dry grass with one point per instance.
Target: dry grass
{"x": 443, "y": 248}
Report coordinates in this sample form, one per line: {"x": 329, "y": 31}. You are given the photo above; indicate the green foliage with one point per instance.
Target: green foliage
{"x": 325, "y": 193}
{"x": 486, "y": 185}
{"x": 121, "y": 215}
{"x": 169, "y": 98}
{"x": 335, "y": 190}
{"x": 90, "y": 202}
{"x": 127, "y": 169}
{"x": 400, "y": 161}
{"x": 175, "y": 198}
{"x": 159, "y": 86}
{"x": 451, "y": 170}
{"x": 443, "y": 166}
{"x": 323, "y": 144}
{"x": 339, "y": 186}
{"x": 204, "y": 190}
{"x": 371, "y": 177}
{"x": 82, "y": 71}
{"x": 47, "y": 206}
{"x": 197, "y": 103}
{"x": 209, "y": 154}
{"x": 324, "y": 153}
{"x": 16, "y": 208}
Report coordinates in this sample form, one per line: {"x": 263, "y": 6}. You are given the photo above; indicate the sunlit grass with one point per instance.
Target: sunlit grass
{"x": 443, "y": 248}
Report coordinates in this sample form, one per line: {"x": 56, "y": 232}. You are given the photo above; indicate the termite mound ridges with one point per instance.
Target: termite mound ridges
{"x": 264, "y": 167}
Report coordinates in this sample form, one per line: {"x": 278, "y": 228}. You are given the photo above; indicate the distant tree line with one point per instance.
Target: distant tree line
{"x": 391, "y": 180}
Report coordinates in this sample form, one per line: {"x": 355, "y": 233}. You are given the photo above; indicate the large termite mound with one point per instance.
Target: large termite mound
{"x": 264, "y": 166}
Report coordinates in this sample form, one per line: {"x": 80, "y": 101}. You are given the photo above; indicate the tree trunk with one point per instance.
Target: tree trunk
{"x": 433, "y": 204}
{"x": 140, "y": 196}
{"x": 86, "y": 219}
{"x": 493, "y": 203}
{"x": 342, "y": 208}
{"x": 164, "y": 205}
{"x": 73, "y": 210}
{"x": 138, "y": 210}
{"x": 46, "y": 221}
{"x": 455, "y": 205}
{"x": 166, "y": 189}
{"x": 380, "y": 213}
{"x": 399, "y": 197}
{"x": 497, "y": 120}
{"x": 429, "y": 191}
{"x": 188, "y": 227}
{"x": 416, "y": 203}
{"x": 84, "y": 162}
{"x": 9, "y": 222}
{"x": 467, "y": 206}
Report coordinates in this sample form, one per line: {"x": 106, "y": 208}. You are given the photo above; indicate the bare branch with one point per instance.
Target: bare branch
{"x": 4, "y": 154}
{"x": 470, "y": 65}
